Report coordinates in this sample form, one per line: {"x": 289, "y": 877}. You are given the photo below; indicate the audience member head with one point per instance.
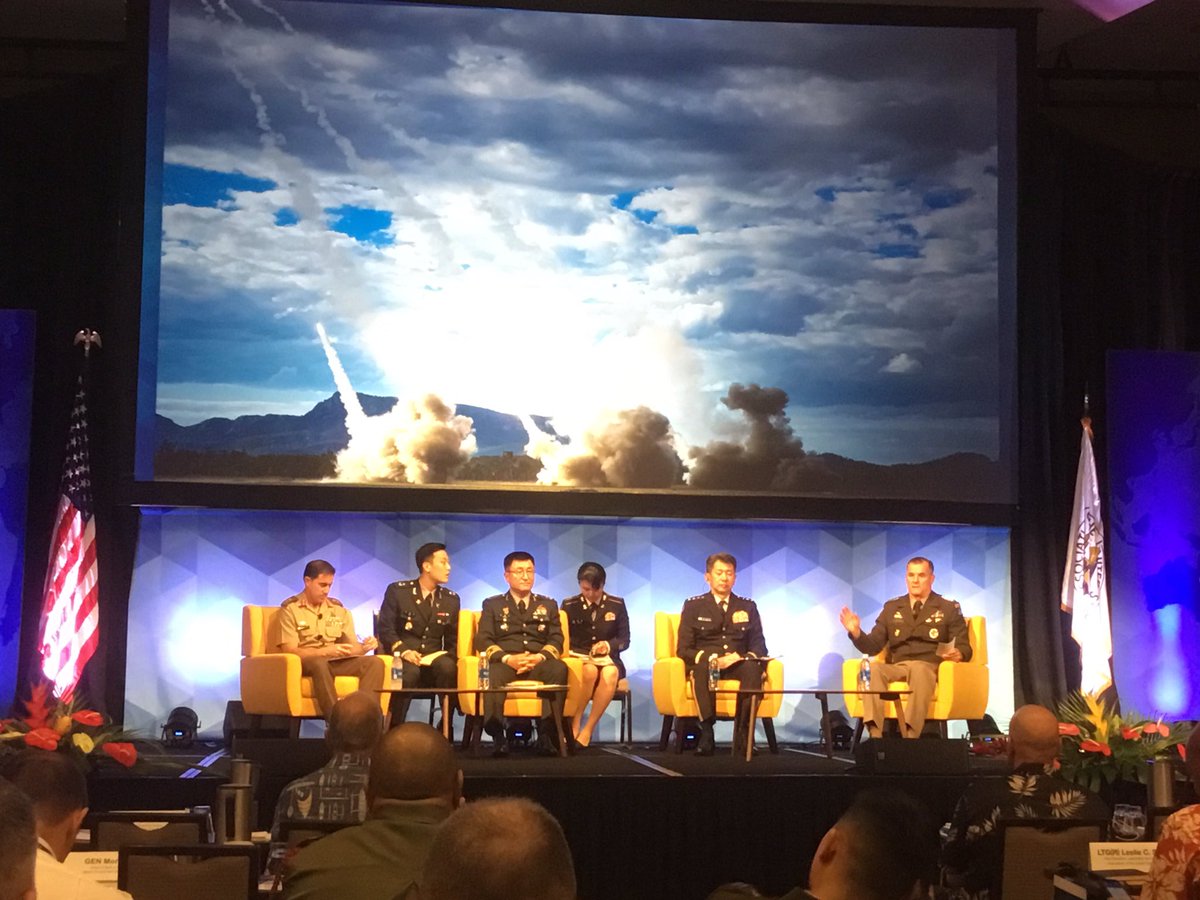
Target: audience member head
{"x": 355, "y": 723}
{"x": 1193, "y": 756}
{"x": 1033, "y": 736}
{"x": 414, "y": 762}
{"x": 57, "y": 790}
{"x": 18, "y": 844}
{"x": 733, "y": 889}
{"x": 473, "y": 857}
{"x": 864, "y": 856}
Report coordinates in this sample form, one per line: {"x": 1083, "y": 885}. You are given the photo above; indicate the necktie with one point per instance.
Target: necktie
{"x": 917, "y": 610}
{"x": 521, "y": 606}
{"x": 724, "y": 607}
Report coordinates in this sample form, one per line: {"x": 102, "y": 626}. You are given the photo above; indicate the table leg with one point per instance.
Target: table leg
{"x": 446, "y": 716}
{"x": 826, "y": 725}
{"x": 557, "y": 706}
{"x": 899, "y": 704}
{"x": 753, "y": 700}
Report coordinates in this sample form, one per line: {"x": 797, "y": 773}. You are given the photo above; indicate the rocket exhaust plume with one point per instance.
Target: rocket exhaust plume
{"x": 632, "y": 449}
{"x": 418, "y": 441}
{"x": 772, "y": 457}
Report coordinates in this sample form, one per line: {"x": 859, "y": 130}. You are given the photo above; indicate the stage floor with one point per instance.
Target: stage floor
{"x": 641, "y": 823}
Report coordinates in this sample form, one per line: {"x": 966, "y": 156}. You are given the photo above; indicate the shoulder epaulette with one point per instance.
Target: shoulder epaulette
{"x": 697, "y": 597}
{"x": 541, "y": 598}
{"x": 292, "y": 599}
{"x": 334, "y": 601}
{"x": 620, "y": 600}
{"x": 450, "y": 592}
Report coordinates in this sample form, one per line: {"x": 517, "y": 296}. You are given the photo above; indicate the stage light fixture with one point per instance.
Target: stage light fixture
{"x": 180, "y": 728}
{"x": 840, "y": 730}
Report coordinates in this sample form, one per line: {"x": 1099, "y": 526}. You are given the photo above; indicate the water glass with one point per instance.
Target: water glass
{"x": 1128, "y": 822}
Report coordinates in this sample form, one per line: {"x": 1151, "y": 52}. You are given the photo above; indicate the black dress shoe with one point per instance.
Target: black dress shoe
{"x": 494, "y": 729}
{"x": 706, "y": 746}
{"x": 500, "y": 748}
{"x": 545, "y": 748}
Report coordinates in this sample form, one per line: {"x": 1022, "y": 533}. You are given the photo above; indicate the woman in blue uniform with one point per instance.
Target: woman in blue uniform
{"x": 599, "y": 627}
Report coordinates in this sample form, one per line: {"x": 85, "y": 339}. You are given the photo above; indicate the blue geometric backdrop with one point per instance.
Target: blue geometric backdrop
{"x": 195, "y": 570}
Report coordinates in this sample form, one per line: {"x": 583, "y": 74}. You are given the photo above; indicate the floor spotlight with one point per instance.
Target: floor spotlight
{"x": 180, "y": 728}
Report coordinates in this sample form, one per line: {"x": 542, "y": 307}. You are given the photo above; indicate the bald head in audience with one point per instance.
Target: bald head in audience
{"x": 498, "y": 849}
{"x": 414, "y": 762}
{"x": 18, "y": 844}
{"x": 1033, "y": 736}
{"x": 355, "y": 723}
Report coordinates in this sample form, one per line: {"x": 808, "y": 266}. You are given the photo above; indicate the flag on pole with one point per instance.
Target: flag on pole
{"x": 1085, "y": 586}
{"x": 70, "y": 612}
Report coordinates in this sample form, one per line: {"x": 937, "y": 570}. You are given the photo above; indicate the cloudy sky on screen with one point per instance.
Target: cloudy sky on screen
{"x": 568, "y": 215}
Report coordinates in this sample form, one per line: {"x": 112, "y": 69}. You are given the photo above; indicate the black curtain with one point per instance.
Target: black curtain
{"x": 1112, "y": 261}
{"x": 60, "y": 166}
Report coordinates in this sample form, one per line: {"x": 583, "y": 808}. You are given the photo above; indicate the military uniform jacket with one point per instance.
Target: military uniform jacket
{"x": 504, "y": 629}
{"x": 306, "y": 627}
{"x": 408, "y": 621}
{"x": 705, "y": 630}
{"x": 608, "y": 621}
{"x": 908, "y": 637}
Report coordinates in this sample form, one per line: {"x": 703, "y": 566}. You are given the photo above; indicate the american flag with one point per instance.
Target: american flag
{"x": 70, "y": 613}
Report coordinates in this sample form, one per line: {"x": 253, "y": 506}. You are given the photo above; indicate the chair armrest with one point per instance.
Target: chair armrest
{"x": 270, "y": 685}
{"x": 668, "y": 681}
{"x": 962, "y": 691}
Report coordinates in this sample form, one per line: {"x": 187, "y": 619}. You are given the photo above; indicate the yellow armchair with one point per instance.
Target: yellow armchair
{"x": 672, "y": 689}
{"x": 271, "y": 682}
{"x": 962, "y": 687}
{"x": 519, "y": 703}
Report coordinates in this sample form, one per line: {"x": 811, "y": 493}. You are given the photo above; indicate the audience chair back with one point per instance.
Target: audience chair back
{"x": 962, "y": 687}
{"x": 113, "y": 830}
{"x": 527, "y": 705}
{"x": 195, "y": 872}
{"x": 1031, "y": 848}
{"x": 293, "y": 832}
{"x": 271, "y": 681}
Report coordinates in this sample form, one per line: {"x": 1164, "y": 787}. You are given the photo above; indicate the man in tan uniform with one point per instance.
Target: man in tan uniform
{"x": 320, "y": 630}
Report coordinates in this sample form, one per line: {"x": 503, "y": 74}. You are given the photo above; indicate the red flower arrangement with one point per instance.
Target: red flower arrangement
{"x": 63, "y": 726}
{"x": 1100, "y": 746}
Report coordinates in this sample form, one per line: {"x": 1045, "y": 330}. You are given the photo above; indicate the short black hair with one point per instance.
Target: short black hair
{"x": 427, "y": 550}
{"x": 728, "y": 558}
{"x": 592, "y": 574}
{"x": 921, "y": 559}
{"x": 516, "y": 556}
{"x": 53, "y": 783}
{"x": 18, "y": 839}
{"x": 317, "y": 567}
{"x": 887, "y": 869}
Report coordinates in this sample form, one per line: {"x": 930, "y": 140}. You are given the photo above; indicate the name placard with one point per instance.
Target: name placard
{"x": 1116, "y": 855}
{"x": 98, "y": 865}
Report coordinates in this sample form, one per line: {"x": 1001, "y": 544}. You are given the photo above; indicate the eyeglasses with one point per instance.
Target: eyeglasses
{"x": 521, "y": 573}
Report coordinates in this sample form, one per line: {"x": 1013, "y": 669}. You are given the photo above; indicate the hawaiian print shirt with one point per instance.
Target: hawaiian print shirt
{"x": 336, "y": 792}
{"x": 1175, "y": 873}
{"x": 971, "y": 854}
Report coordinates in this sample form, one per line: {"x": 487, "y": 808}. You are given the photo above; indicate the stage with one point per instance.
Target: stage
{"x": 641, "y": 823}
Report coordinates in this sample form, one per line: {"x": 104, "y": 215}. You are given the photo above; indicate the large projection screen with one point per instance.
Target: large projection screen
{"x": 688, "y": 251}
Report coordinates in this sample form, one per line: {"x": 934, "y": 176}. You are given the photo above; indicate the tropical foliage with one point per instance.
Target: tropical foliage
{"x": 65, "y": 726}
{"x": 1101, "y": 746}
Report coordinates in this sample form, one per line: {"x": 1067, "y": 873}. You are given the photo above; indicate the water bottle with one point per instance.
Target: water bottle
{"x": 397, "y": 670}
{"x": 864, "y": 673}
{"x": 713, "y": 672}
{"x": 485, "y": 674}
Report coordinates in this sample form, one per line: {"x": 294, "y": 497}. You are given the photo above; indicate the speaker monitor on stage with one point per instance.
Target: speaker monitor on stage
{"x": 237, "y": 724}
{"x": 895, "y": 756}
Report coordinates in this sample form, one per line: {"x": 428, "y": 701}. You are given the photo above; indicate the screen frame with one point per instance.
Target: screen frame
{"x": 560, "y": 500}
